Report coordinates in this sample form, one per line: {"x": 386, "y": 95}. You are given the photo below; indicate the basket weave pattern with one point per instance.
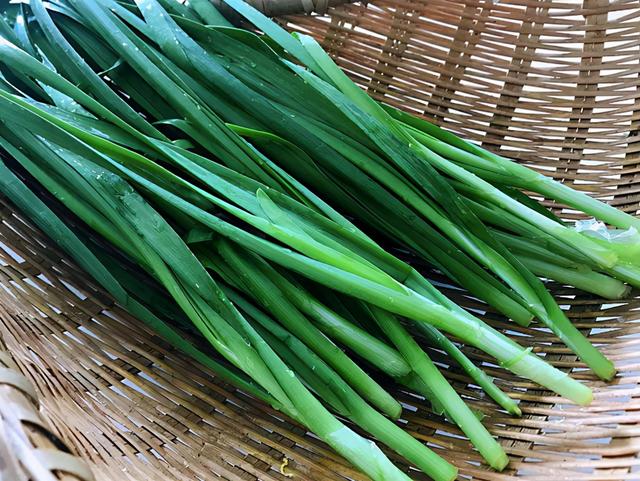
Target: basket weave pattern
{"x": 29, "y": 451}
{"x": 554, "y": 85}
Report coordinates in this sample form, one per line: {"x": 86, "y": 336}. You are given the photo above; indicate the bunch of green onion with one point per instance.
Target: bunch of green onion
{"x": 246, "y": 178}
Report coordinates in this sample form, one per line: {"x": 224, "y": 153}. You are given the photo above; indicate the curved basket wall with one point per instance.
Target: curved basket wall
{"x": 552, "y": 84}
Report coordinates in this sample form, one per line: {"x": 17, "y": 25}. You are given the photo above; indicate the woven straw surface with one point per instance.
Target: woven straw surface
{"x": 29, "y": 451}
{"x": 552, "y": 84}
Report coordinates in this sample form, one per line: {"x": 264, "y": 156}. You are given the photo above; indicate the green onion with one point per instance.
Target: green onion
{"x": 237, "y": 182}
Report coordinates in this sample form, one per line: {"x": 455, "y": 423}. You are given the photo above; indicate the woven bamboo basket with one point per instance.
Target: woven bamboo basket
{"x": 554, "y": 85}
